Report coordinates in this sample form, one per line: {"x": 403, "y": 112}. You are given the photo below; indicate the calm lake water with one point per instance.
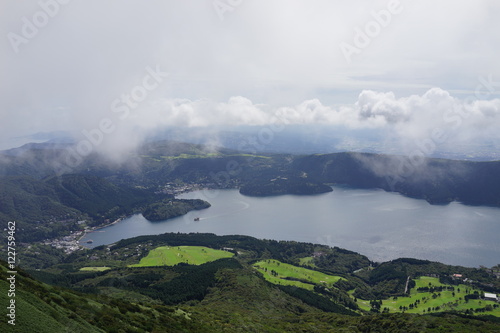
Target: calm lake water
{"x": 380, "y": 225}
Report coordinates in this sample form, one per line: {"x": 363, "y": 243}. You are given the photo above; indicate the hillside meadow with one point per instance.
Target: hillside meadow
{"x": 192, "y": 255}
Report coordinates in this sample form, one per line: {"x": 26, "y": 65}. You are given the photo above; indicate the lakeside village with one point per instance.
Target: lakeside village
{"x": 71, "y": 242}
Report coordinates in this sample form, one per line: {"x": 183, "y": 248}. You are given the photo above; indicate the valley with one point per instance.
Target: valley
{"x": 196, "y": 281}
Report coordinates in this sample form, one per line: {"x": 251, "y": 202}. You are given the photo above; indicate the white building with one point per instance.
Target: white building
{"x": 490, "y": 297}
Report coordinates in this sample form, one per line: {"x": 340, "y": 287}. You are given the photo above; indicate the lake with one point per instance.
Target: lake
{"x": 378, "y": 224}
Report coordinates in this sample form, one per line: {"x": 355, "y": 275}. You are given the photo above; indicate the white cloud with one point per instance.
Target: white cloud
{"x": 407, "y": 119}
{"x": 266, "y": 57}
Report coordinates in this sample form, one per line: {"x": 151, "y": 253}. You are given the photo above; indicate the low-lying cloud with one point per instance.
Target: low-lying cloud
{"x": 433, "y": 120}
{"x": 410, "y": 116}
{"x": 417, "y": 126}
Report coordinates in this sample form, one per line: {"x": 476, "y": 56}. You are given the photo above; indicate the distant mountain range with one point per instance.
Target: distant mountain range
{"x": 287, "y": 139}
{"x": 157, "y": 163}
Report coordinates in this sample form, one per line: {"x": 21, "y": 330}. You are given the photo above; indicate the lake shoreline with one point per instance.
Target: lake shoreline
{"x": 374, "y": 223}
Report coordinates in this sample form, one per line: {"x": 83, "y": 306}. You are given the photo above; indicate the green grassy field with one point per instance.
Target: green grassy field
{"x": 188, "y": 156}
{"x": 307, "y": 261}
{"x": 282, "y": 271}
{"x": 208, "y": 155}
{"x": 169, "y": 256}
{"x": 95, "y": 269}
{"x": 445, "y": 300}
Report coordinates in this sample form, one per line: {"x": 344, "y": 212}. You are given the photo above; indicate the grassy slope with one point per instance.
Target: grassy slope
{"x": 243, "y": 302}
{"x": 193, "y": 255}
{"x": 38, "y": 309}
{"x": 307, "y": 261}
{"x": 95, "y": 268}
{"x": 42, "y": 308}
{"x": 286, "y": 270}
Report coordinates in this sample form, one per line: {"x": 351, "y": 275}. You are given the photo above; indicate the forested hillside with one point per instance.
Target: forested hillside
{"x": 47, "y": 204}
{"x": 53, "y": 206}
{"x": 103, "y": 290}
{"x": 155, "y": 164}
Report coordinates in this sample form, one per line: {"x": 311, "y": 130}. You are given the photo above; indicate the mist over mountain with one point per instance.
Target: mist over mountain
{"x": 34, "y": 189}
{"x": 115, "y": 113}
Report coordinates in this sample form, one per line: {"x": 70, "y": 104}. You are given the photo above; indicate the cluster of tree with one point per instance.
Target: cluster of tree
{"x": 487, "y": 308}
{"x": 67, "y": 279}
{"x": 273, "y": 272}
{"x": 389, "y": 278}
{"x": 385, "y": 280}
{"x": 318, "y": 301}
{"x": 375, "y": 305}
{"x": 338, "y": 296}
{"x": 414, "y": 305}
{"x": 192, "y": 282}
{"x": 170, "y": 208}
{"x": 51, "y": 207}
{"x": 474, "y": 295}
{"x": 339, "y": 260}
{"x": 280, "y": 186}
{"x": 433, "y": 289}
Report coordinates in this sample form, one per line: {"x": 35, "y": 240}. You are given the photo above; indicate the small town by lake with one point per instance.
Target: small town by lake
{"x": 381, "y": 225}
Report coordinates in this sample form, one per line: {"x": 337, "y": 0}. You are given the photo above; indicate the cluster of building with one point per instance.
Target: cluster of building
{"x": 68, "y": 243}
{"x": 486, "y": 296}
{"x": 174, "y": 189}
{"x": 491, "y": 297}
{"x": 461, "y": 277}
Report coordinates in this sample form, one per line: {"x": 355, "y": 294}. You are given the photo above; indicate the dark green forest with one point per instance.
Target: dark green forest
{"x": 170, "y": 208}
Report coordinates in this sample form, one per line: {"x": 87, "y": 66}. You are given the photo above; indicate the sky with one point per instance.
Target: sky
{"x": 425, "y": 73}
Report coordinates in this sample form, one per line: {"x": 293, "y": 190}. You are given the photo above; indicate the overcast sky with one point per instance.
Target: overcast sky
{"x": 400, "y": 65}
